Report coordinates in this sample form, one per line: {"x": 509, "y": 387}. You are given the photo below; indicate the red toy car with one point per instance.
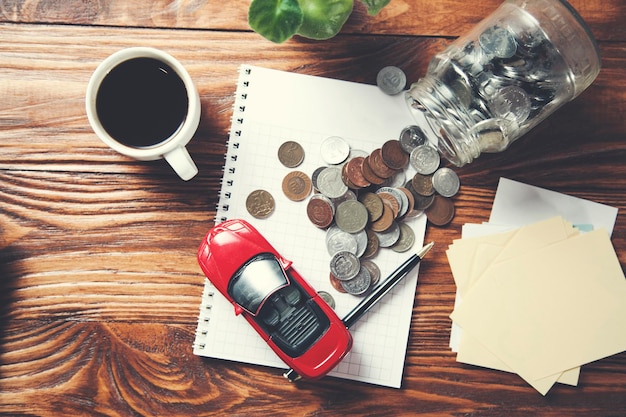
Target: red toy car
{"x": 288, "y": 314}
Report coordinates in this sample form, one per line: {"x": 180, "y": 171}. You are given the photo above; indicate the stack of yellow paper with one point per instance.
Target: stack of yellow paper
{"x": 541, "y": 301}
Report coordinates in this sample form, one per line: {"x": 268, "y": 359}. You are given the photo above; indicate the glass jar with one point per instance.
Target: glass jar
{"x": 510, "y": 72}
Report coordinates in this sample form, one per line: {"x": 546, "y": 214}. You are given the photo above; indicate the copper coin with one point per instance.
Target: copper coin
{"x": 423, "y": 184}
{"x": 441, "y": 211}
{"x": 336, "y": 283}
{"x": 369, "y": 174}
{"x": 378, "y": 165}
{"x": 297, "y": 185}
{"x": 260, "y": 204}
{"x": 320, "y": 210}
{"x": 290, "y": 154}
{"x": 390, "y": 201}
{"x": 354, "y": 171}
{"x": 393, "y": 155}
{"x": 385, "y": 221}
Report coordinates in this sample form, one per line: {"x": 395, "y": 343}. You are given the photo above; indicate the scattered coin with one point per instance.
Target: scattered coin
{"x": 334, "y": 150}
{"x": 423, "y": 202}
{"x": 423, "y": 184}
{"x": 372, "y": 244}
{"x": 359, "y": 284}
{"x": 339, "y": 241}
{"x": 425, "y": 159}
{"x": 411, "y": 137}
{"x": 336, "y": 283}
{"x": 393, "y": 155}
{"x": 345, "y": 265}
{"x": 378, "y": 166}
{"x": 297, "y": 185}
{"x": 406, "y": 239}
{"x": 373, "y": 270}
{"x": 291, "y": 154}
{"x": 260, "y": 204}
{"x": 369, "y": 174}
{"x": 446, "y": 182}
{"x": 325, "y": 295}
{"x": 351, "y": 216}
{"x": 385, "y": 221}
{"x": 389, "y": 237}
{"x": 320, "y": 211}
{"x": 391, "y": 80}
{"x": 441, "y": 211}
{"x": 330, "y": 183}
{"x": 354, "y": 173}
{"x": 373, "y": 204}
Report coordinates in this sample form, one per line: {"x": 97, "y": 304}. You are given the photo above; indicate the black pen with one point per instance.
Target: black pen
{"x": 381, "y": 290}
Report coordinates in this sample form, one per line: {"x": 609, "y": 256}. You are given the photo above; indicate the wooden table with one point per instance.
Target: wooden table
{"x": 100, "y": 288}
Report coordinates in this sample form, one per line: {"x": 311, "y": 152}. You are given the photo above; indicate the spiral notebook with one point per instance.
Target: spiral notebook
{"x": 272, "y": 107}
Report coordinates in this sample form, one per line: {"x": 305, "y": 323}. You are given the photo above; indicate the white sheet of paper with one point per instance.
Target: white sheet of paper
{"x": 517, "y": 204}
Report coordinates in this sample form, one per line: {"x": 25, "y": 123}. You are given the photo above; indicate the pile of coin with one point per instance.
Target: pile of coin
{"x": 361, "y": 200}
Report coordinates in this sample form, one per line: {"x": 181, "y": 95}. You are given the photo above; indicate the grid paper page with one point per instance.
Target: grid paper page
{"x": 279, "y": 107}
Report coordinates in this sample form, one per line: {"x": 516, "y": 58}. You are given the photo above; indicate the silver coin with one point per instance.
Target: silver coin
{"x": 361, "y": 242}
{"x": 391, "y": 80}
{"x": 330, "y": 184}
{"x": 406, "y": 240}
{"x": 425, "y": 159}
{"x": 348, "y": 195}
{"x": 511, "y": 103}
{"x": 498, "y": 41}
{"x": 446, "y": 182}
{"x": 359, "y": 284}
{"x": 411, "y": 137}
{"x": 339, "y": 241}
{"x": 344, "y": 265}
{"x": 324, "y": 295}
{"x": 389, "y": 237}
{"x": 315, "y": 174}
{"x": 334, "y": 150}
{"x": 351, "y": 216}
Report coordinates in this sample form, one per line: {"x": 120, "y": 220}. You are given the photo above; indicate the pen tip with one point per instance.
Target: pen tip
{"x": 422, "y": 252}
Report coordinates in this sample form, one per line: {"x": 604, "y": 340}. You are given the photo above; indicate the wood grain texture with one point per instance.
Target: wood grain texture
{"x": 99, "y": 286}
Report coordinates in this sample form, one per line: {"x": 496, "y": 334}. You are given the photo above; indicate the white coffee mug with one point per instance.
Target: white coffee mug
{"x": 142, "y": 103}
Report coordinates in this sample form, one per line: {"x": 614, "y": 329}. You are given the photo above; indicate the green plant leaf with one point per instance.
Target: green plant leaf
{"x": 323, "y": 19}
{"x": 275, "y": 20}
{"x": 375, "y": 6}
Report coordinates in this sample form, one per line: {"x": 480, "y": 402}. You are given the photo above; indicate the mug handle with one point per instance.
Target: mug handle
{"x": 181, "y": 161}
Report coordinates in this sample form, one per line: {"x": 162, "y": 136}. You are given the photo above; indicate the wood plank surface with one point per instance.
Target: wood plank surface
{"x": 99, "y": 285}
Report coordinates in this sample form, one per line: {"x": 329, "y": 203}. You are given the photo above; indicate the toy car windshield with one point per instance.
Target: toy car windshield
{"x": 255, "y": 281}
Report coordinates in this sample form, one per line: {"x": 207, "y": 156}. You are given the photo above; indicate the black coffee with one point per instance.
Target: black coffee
{"x": 142, "y": 102}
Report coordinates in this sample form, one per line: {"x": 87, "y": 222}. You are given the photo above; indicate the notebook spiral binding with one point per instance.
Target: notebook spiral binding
{"x": 204, "y": 318}
{"x": 236, "y": 132}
